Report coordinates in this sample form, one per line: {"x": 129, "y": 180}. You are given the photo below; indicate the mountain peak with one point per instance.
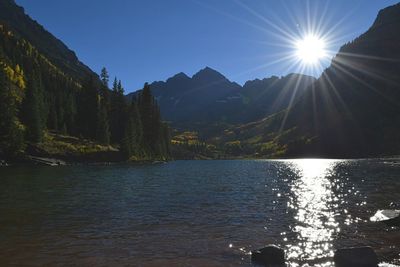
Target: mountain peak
{"x": 179, "y": 77}
{"x": 208, "y": 74}
{"x": 181, "y": 74}
{"x": 387, "y": 15}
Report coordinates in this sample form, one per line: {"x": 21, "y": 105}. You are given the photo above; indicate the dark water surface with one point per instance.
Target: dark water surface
{"x": 195, "y": 213}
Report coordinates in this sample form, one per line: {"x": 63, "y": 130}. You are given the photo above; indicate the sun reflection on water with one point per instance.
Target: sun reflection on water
{"x": 313, "y": 202}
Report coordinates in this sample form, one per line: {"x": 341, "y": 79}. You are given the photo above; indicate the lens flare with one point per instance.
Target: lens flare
{"x": 311, "y": 49}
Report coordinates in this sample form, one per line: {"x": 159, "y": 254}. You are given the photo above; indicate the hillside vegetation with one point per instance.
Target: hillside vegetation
{"x": 44, "y": 87}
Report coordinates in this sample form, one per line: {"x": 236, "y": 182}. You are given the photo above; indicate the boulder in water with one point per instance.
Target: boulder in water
{"x": 269, "y": 256}
{"x": 356, "y": 257}
{"x": 390, "y": 217}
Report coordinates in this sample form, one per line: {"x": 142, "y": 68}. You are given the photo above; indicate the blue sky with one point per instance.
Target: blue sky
{"x": 147, "y": 40}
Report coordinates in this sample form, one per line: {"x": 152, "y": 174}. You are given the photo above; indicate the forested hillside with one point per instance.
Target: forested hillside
{"x": 352, "y": 110}
{"x": 14, "y": 17}
{"x": 44, "y": 87}
{"x": 48, "y": 99}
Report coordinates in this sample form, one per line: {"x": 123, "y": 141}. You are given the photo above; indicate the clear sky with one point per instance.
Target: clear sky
{"x": 146, "y": 40}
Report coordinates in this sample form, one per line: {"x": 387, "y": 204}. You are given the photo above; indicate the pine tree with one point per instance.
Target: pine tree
{"x": 105, "y": 94}
{"x": 115, "y": 85}
{"x": 104, "y": 77}
{"x": 146, "y": 110}
{"x": 88, "y": 109}
{"x": 131, "y": 143}
{"x": 33, "y": 110}
{"x": 165, "y": 140}
{"x": 155, "y": 133}
{"x": 120, "y": 89}
{"x": 103, "y": 130}
{"x": 126, "y": 143}
{"x": 138, "y": 128}
{"x": 11, "y": 130}
{"x": 118, "y": 107}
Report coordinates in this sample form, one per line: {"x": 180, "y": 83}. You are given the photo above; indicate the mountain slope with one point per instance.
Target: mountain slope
{"x": 271, "y": 95}
{"x": 184, "y": 99}
{"x": 209, "y": 97}
{"x": 47, "y": 95}
{"x": 357, "y": 99}
{"x": 353, "y": 109}
{"x": 15, "y": 19}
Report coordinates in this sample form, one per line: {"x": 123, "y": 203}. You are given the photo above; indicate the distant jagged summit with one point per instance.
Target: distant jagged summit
{"x": 208, "y": 74}
{"x": 209, "y": 97}
{"x": 180, "y": 76}
{"x": 389, "y": 15}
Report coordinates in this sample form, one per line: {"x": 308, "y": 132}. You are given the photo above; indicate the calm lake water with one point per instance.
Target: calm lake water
{"x": 195, "y": 213}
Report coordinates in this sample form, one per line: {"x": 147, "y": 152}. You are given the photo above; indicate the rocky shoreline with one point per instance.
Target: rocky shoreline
{"x": 48, "y": 160}
{"x": 274, "y": 256}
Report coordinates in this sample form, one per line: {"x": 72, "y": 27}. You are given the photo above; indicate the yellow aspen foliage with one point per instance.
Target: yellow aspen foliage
{"x": 17, "y": 78}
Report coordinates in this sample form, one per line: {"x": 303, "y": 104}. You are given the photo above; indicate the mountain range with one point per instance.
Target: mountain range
{"x": 351, "y": 110}
{"x": 209, "y": 97}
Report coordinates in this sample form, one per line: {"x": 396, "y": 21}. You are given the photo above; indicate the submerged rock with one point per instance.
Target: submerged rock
{"x": 47, "y": 161}
{"x": 390, "y": 217}
{"x": 269, "y": 256}
{"x": 356, "y": 257}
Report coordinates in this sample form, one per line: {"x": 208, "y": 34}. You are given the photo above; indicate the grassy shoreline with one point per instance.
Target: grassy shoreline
{"x": 58, "y": 149}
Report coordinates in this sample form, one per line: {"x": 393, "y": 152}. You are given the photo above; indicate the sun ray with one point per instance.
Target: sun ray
{"x": 264, "y": 19}
{"x": 319, "y": 25}
{"x": 288, "y": 109}
{"x": 345, "y": 71}
{"x": 283, "y": 59}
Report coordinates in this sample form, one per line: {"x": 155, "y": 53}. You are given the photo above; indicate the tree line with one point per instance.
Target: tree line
{"x": 36, "y": 96}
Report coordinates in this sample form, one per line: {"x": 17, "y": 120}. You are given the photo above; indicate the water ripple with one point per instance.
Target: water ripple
{"x": 195, "y": 213}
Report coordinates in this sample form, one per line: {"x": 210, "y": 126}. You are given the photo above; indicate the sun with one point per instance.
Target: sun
{"x": 311, "y": 49}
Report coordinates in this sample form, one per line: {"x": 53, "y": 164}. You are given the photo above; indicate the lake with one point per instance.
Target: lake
{"x": 195, "y": 213}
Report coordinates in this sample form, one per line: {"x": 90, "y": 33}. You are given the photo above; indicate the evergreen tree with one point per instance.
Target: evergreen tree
{"x": 165, "y": 140}
{"x": 118, "y": 107}
{"x": 131, "y": 143}
{"x": 126, "y": 143}
{"x": 88, "y": 109}
{"x": 105, "y": 92}
{"x": 115, "y": 85}
{"x": 11, "y": 130}
{"x": 104, "y": 77}
{"x": 154, "y": 134}
{"x": 146, "y": 109}
{"x": 138, "y": 130}
{"x": 103, "y": 130}
{"x": 120, "y": 89}
{"x": 33, "y": 110}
